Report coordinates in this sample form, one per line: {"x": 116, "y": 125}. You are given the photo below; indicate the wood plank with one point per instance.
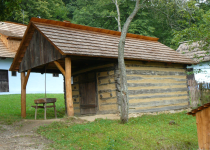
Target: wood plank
{"x": 156, "y": 81}
{"x": 106, "y": 81}
{"x": 108, "y": 86}
{"x": 69, "y": 101}
{"x": 105, "y": 73}
{"x": 157, "y": 87}
{"x": 171, "y": 105}
{"x": 23, "y": 96}
{"x": 153, "y": 64}
{"x": 135, "y": 92}
{"x": 75, "y": 93}
{"x": 107, "y": 95}
{"x": 111, "y": 100}
{"x": 155, "y": 69}
{"x": 154, "y": 84}
{"x": 139, "y": 77}
{"x": 156, "y": 99}
{"x": 158, "y": 103}
{"x": 149, "y": 72}
{"x": 156, "y": 96}
{"x": 155, "y": 109}
{"x": 108, "y": 107}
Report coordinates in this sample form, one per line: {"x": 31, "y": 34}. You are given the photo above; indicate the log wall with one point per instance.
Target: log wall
{"x": 154, "y": 87}
{"x": 106, "y": 88}
{"x": 75, "y": 95}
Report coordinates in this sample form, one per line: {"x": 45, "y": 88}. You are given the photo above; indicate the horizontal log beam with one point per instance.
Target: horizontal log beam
{"x": 157, "y": 109}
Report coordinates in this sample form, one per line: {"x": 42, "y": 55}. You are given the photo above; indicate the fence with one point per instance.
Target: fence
{"x": 199, "y": 93}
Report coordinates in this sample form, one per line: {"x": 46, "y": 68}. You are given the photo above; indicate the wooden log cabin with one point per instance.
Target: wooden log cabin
{"x": 155, "y": 73}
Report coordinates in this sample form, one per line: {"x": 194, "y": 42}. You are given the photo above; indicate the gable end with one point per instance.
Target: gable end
{"x": 39, "y": 51}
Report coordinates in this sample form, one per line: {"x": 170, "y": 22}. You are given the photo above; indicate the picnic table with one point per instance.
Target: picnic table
{"x": 44, "y": 102}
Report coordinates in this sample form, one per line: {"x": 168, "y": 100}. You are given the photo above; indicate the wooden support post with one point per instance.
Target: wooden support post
{"x": 60, "y": 67}
{"x": 23, "y": 96}
{"x": 69, "y": 102}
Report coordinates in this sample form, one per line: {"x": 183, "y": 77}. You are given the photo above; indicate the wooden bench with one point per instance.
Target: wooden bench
{"x": 44, "y": 102}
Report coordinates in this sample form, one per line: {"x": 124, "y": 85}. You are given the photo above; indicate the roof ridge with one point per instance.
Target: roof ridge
{"x": 95, "y": 29}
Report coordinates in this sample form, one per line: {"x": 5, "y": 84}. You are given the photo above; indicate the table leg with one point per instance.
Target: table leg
{"x": 45, "y": 111}
{"x": 55, "y": 110}
{"x": 36, "y": 111}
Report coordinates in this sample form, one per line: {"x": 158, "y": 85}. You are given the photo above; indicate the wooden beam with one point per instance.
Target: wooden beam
{"x": 23, "y": 96}
{"x": 26, "y": 78}
{"x": 69, "y": 102}
{"x": 60, "y": 67}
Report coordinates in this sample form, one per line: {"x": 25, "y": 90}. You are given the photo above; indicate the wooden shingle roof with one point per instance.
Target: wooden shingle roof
{"x": 194, "y": 52}
{"x": 11, "y": 29}
{"x": 5, "y": 52}
{"x": 80, "y": 40}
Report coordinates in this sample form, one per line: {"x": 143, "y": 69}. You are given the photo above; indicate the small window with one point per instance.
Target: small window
{"x": 55, "y": 75}
{"x": 14, "y": 73}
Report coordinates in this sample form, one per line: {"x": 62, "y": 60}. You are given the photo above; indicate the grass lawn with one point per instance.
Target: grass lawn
{"x": 147, "y": 133}
{"x": 10, "y": 107}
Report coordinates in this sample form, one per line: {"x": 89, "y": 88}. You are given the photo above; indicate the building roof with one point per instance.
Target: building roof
{"x": 80, "y": 40}
{"x": 194, "y": 111}
{"x": 5, "y": 52}
{"x": 193, "y": 52}
{"x": 12, "y": 29}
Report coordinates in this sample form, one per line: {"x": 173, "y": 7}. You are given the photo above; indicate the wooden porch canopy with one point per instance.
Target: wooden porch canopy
{"x": 57, "y": 44}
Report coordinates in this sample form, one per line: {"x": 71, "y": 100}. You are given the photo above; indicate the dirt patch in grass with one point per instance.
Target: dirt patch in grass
{"x": 22, "y": 135}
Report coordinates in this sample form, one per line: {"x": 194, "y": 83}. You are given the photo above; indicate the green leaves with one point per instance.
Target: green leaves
{"x": 7, "y": 7}
{"x": 47, "y": 9}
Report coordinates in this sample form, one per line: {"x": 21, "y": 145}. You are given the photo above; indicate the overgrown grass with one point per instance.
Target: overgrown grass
{"x": 10, "y": 107}
{"x": 146, "y": 132}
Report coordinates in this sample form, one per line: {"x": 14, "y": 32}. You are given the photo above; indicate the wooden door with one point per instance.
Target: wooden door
{"x": 4, "y": 84}
{"x": 87, "y": 90}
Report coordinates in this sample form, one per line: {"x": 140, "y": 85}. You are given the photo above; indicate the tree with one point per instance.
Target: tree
{"x": 7, "y": 7}
{"x": 198, "y": 29}
{"x": 121, "y": 66}
{"x": 47, "y": 9}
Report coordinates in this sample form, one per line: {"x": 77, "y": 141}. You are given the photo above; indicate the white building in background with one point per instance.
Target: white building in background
{"x": 11, "y": 35}
{"x": 202, "y": 69}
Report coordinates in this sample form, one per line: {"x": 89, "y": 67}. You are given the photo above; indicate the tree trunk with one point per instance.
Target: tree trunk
{"x": 118, "y": 14}
{"x": 122, "y": 69}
